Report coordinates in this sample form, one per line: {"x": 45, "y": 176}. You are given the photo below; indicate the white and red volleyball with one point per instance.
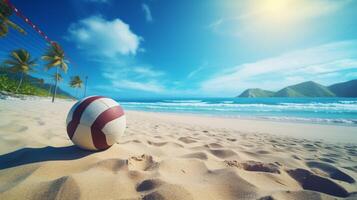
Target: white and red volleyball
{"x": 95, "y": 123}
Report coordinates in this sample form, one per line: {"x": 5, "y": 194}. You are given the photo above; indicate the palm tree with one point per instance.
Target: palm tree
{"x": 76, "y": 82}
{"x": 41, "y": 81}
{"x": 5, "y": 23}
{"x": 20, "y": 62}
{"x": 55, "y": 58}
{"x": 57, "y": 77}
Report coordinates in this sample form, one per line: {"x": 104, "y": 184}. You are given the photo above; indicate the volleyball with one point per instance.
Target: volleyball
{"x": 95, "y": 123}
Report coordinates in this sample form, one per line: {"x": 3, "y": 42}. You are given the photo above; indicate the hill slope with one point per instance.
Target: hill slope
{"x": 31, "y": 85}
{"x": 305, "y": 89}
{"x": 345, "y": 89}
{"x": 256, "y": 92}
{"x": 288, "y": 92}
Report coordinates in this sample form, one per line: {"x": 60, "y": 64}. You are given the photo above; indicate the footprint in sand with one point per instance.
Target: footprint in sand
{"x": 260, "y": 167}
{"x": 148, "y": 185}
{"x": 143, "y": 162}
{"x": 113, "y": 165}
{"x": 332, "y": 171}
{"x": 254, "y": 166}
{"x": 65, "y": 187}
{"x": 310, "y": 181}
{"x": 266, "y": 198}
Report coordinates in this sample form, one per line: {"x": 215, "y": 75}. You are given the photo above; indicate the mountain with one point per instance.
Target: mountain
{"x": 307, "y": 89}
{"x": 287, "y": 92}
{"x": 345, "y": 89}
{"x": 31, "y": 85}
{"x": 256, "y": 92}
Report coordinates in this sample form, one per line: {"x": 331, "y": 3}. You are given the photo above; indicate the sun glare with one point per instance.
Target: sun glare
{"x": 275, "y": 10}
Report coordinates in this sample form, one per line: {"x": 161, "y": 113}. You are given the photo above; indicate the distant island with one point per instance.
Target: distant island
{"x": 307, "y": 89}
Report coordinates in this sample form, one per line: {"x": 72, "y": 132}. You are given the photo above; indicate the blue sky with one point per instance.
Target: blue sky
{"x": 160, "y": 48}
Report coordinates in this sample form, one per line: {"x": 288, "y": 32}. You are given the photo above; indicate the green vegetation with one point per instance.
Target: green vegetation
{"x": 256, "y": 92}
{"x": 14, "y": 71}
{"x": 20, "y": 62}
{"x": 30, "y": 86}
{"x": 287, "y": 92}
{"x": 5, "y": 22}
{"x": 307, "y": 89}
{"x": 10, "y": 85}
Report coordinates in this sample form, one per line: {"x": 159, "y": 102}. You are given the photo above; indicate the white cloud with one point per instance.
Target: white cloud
{"x": 149, "y": 86}
{"x": 289, "y": 68}
{"x": 147, "y": 12}
{"x": 101, "y": 37}
{"x": 145, "y": 71}
{"x": 133, "y": 78}
{"x": 194, "y": 72}
{"x": 111, "y": 43}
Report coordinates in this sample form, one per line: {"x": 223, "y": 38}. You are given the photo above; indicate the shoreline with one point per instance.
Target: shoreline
{"x": 302, "y": 120}
{"x": 331, "y": 132}
{"x": 334, "y": 132}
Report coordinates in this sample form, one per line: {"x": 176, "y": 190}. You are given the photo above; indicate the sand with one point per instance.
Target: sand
{"x": 173, "y": 156}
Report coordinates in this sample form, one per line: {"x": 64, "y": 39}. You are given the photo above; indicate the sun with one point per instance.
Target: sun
{"x": 275, "y": 10}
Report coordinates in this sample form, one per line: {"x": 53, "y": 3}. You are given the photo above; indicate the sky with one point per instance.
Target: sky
{"x": 211, "y": 48}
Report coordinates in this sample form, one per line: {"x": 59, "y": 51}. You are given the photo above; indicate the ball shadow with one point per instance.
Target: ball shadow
{"x": 32, "y": 155}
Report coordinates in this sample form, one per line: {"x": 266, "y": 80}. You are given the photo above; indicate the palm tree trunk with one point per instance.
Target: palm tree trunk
{"x": 49, "y": 90}
{"x": 22, "y": 76}
{"x": 55, "y": 92}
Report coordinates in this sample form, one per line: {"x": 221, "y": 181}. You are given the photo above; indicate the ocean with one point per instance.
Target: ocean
{"x": 312, "y": 110}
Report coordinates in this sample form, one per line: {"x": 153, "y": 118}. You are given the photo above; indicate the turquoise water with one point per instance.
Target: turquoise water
{"x": 315, "y": 110}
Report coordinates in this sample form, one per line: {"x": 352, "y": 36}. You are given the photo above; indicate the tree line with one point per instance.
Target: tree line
{"x": 20, "y": 60}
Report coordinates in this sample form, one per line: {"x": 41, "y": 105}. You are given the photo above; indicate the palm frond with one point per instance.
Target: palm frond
{"x": 19, "y": 61}
{"x": 3, "y": 29}
{"x": 64, "y": 66}
{"x": 15, "y": 26}
{"x": 16, "y": 56}
{"x": 54, "y": 63}
{"x": 55, "y": 57}
{"x": 10, "y": 62}
{"x": 47, "y": 58}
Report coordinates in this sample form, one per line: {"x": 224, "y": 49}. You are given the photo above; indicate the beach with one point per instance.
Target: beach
{"x": 174, "y": 156}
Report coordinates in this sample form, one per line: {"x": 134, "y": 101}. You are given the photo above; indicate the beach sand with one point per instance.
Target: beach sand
{"x": 173, "y": 156}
